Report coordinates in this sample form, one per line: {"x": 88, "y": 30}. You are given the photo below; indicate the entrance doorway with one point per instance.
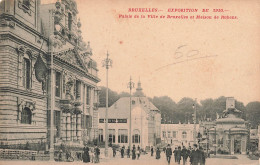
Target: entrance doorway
{"x": 237, "y": 146}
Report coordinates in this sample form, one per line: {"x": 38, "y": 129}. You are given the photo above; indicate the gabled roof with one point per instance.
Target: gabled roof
{"x": 120, "y": 109}
{"x": 72, "y": 57}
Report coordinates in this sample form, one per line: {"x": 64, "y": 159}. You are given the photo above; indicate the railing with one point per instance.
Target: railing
{"x": 23, "y": 154}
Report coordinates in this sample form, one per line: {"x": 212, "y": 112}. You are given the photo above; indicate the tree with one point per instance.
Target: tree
{"x": 253, "y": 113}
{"x": 112, "y": 97}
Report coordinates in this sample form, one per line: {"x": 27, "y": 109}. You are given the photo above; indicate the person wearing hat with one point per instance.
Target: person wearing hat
{"x": 195, "y": 155}
{"x": 168, "y": 153}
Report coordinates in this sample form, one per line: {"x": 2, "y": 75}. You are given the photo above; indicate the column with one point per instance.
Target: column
{"x": 63, "y": 126}
{"x": 243, "y": 144}
{"x": 79, "y": 127}
{"x": 74, "y": 135}
{"x": 232, "y": 145}
{"x": 68, "y": 127}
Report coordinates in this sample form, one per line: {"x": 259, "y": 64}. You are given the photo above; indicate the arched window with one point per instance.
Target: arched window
{"x": 26, "y": 116}
{"x": 136, "y": 136}
{"x": 184, "y": 134}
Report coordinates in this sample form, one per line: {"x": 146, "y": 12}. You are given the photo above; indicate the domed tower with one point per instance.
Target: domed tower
{"x": 139, "y": 90}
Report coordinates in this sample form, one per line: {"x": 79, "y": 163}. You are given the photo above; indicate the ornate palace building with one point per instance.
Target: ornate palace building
{"x": 45, "y": 66}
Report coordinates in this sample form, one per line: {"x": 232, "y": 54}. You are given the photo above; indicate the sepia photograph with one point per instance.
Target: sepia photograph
{"x": 115, "y": 82}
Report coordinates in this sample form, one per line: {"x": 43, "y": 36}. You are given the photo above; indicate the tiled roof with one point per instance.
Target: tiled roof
{"x": 120, "y": 109}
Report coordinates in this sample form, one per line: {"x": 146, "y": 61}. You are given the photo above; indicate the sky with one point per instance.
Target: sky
{"x": 178, "y": 58}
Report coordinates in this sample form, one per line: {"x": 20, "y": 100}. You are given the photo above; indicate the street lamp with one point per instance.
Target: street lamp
{"x": 106, "y": 63}
{"x": 194, "y": 120}
{"x": 130, "y": 85}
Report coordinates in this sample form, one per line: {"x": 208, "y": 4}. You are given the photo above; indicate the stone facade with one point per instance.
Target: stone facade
{"x": 178, "y": 134}
{"x": 45, "y": 66}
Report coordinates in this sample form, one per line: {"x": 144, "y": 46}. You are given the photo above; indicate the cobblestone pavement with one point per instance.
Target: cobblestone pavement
{"x": 144, "y": 160}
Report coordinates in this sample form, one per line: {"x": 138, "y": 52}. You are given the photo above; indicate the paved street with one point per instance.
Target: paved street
{"x": 144, "y": 159}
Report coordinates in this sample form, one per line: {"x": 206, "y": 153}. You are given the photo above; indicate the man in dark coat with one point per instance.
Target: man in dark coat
{"x": 202, "y": 156}
{"x": 152, "y": 151}
{"x": 86, "y": 157}
{"x": 122, "y": 151}
{"x": 114, "y": 151}
{"x": 158, "y": 153}
{"x": 184, "y": 154}
{"x": 178, "y": 155}
{"x": 195, "y": 155}
{"x": 175, "y": 153}
{"x": 97, "y": 153}
{"x": 128, "y": 152}
{"x": 133, "y": 153}
{"x": 168, "y": 153}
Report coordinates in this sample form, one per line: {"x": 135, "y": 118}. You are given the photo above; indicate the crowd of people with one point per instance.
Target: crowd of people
{"x": 195, "y": 155}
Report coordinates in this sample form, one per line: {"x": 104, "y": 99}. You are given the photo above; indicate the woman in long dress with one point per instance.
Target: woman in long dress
{"x": 86, "y": 157}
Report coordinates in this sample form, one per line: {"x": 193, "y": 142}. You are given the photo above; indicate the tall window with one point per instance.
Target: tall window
{"x": 169, "y": 134}
{"x": 88, "y": 95}
{"x": 26, "y": 73}
{"x": 78, "y": 84}
{"x": 69, "y": 21}
{"x": 174, "y": 134}
{"x": 184, "y": 135}
{"x": 58, "y": 84}
{"x": 57, "y": 123}
{"x": 164, "y": 134}
{"x": 100, "y": 135}
{"x": 26, "y": 116}
{"x": 111, "y": 136}
{"x": 136, "y": 136}
{"x": 122, "y": 136}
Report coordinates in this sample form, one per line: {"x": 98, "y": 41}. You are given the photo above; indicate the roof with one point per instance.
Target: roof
{"x": 120, "y": 109}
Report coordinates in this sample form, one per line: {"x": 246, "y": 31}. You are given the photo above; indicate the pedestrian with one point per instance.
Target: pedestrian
{"x": 86, "y": 157}
{"x": 114, "y": 151}
{"x": 60, "y": 155}
{"x": 168, "y": 153}
{"x": 202, "y": 156}
{"x": 174, "y": 153}
{"x": 97, "y": 153}
{"x": 189, "y": 152}
{"x": 158, "y": 153}
{"x": 195, "y": 155}
{"x": 164, "y": 149}
{"x": 184, "y": 153}
{"x": 133, "y": 153}
{"x": 152, "y": 151}
{"x": 92, "y": 155}
{"x": 128, "y": 152}
{"x": 138, "y": 152}
{"x": 122, "y": 151}
{"x": 178, "y": 155}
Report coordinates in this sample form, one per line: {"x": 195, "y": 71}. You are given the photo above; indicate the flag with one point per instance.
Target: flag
{"x": 40, "y": 69}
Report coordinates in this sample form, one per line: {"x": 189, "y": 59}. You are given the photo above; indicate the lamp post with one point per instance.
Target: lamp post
{"x": 194, "y": 121}
{"x": 130, "y": 86}
{"x": 106, "y": 63}
{"x": 53, "y": 40}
